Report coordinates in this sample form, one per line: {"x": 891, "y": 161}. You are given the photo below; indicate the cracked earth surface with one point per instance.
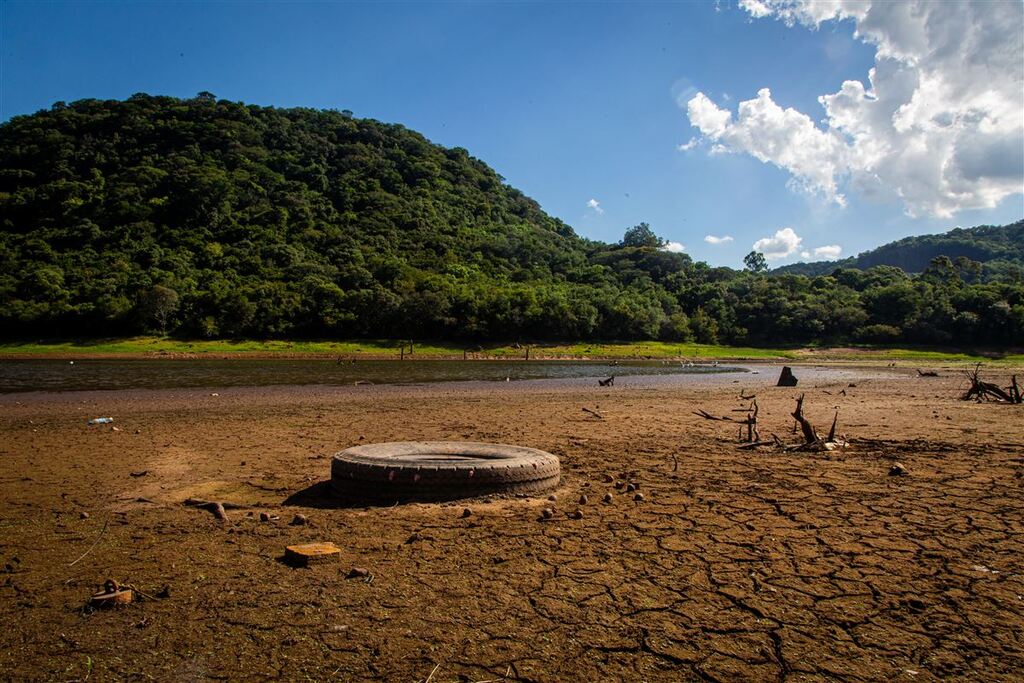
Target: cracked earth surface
{"x": 736, "y": 565}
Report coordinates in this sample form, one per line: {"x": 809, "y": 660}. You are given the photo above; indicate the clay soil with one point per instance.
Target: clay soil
{"x": 736, "y": 566}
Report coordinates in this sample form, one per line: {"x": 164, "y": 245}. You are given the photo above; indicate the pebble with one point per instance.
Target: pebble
{"x": 584, "y": 500}
{"x": 547, "y": 513}
{"x": 607, "y": 478}
{"x": 630, "y": 488}
{"x": 299, "y": 520}
{"x": 897, "y": 470}
{"x": 264, "y": 516}
{"x": 552, "y": 497}
{"x": 607, "y": 497}
{"x": 358, "y": 572}
{"x": 466, "y": 512}
{"x": 638, "y": 497}
{"x": 83, "y": 515}
{"x": 576, "y": 514}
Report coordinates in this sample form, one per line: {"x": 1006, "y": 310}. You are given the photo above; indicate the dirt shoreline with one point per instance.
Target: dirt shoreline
{"x": 737, "y": 565}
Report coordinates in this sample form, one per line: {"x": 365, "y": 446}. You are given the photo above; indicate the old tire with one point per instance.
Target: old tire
{"x": 440, "y": 470}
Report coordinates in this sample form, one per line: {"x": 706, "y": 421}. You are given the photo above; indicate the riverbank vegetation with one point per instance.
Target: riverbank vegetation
{"x": 149, "y": 347}
{"x": 210, "y": 219}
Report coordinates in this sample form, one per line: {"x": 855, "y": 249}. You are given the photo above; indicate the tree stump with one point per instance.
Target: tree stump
{"x": 786, "y": 378}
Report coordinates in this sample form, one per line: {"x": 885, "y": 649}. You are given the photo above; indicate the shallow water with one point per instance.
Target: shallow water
{"x": 54, "y": 375}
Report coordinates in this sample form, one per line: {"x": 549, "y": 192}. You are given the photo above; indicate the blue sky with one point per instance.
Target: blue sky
{"x": 570, "y": 102}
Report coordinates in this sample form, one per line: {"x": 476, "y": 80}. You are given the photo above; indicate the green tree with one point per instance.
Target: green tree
{"x": 755, "y": 262}
{"x": 641, "y": 235}
{"x": 158, "y": 305}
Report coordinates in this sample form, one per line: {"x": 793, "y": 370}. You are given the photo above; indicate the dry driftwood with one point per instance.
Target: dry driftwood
{"x": 596, "y": 414}
{"x": 987, "y": 391}
{"x": 216, "y": 508}
{"x": 810, "y": 436}
{"x": 610, "y": 382}
{"x": 752, "y": 438}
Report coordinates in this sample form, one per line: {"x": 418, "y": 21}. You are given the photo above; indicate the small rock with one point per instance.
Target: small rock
{"x": 619, "y": 484}
{"x": 584, "y": 500}
{"x": 630, "y": 488}
{"x": 358, "y": 572}
{"x": 552, "y": 498}
{"x": 415, "y": 536}
{"x": 607, "y": 478}
{"x": 299, "y": 520}
{"x": 576, "y": 514}
{"x": 83, "y": 515}
{"x": 138, "y": 431}
{"x": 264, "y": 516}
{"x": 115, "y": 429}
{"x": 638, "y": 497}
{"x": 897, "y": 470}
{"x": 607, "y": 498}
{"x": 311, "y": 553}
{"x": 466, "y": 512}
{"x": 165, "y": 592}
{"x": 547, "y": 513}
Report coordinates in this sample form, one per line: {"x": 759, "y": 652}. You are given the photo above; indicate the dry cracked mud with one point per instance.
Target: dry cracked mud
{"x": 735, "y": 566}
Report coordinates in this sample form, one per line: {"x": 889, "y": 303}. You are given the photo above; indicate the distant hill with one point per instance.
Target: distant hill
{"x": 998, "y": 248}
{"x": 214, "y": 218}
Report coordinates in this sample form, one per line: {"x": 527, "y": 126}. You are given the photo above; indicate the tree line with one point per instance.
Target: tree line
{"x": 210, "y": 218}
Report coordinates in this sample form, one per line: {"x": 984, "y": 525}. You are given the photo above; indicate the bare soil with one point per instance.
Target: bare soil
{"x": 736, "y": 565}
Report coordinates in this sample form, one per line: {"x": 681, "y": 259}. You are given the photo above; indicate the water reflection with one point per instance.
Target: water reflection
{"x": 53, "y": 375}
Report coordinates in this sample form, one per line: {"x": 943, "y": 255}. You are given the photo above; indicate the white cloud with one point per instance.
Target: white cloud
{"x": 784, "y": 243}
{"x": 690, "y": 144}
{"x": 756, "y": 8}
{"x": 708, "y": 118}
{"x": 674, "y": 247}
{"x": 596, "y": 206}
{"x": 829, "y": 252}
{"x": 783, "y": 137}
{"x": 938, "y": 124}
{"x": 711, "y": 239}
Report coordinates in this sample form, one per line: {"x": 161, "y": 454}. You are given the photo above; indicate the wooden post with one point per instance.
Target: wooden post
{"x": 403, "y": 352}
{"x": 527, "y": 353}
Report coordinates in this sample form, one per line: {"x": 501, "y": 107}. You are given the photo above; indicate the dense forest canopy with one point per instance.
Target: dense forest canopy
{"x": 210, "y": 218}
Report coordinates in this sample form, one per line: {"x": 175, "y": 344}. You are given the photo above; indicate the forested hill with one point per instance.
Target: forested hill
{"x": 210, "y": 218}
{"x": 998, "y": 249}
